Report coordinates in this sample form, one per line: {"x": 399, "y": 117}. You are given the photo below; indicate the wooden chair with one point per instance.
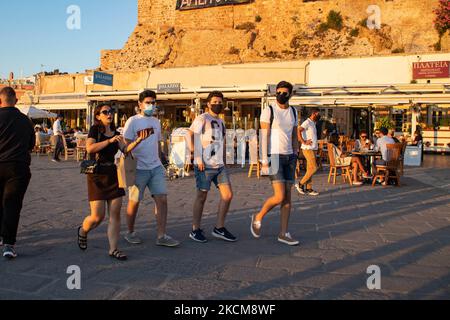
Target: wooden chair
{"x": 402, "y": 157}
{"x": 301, "y": 164}
{"x": 350, "y": 145}
{"x": 391, "y": 168}
{"x": 80, "y": 149}
{"x": 42, "y": 144}
{"x": 68, "y": 152}
{"x": 253, "y": 167}
{"x": 345, "y": 169}
{"x": 322, "y": 151}
{"x": 52, "y": 147}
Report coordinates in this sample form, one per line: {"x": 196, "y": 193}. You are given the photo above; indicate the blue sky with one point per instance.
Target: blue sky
{"x": 36, "y": 33}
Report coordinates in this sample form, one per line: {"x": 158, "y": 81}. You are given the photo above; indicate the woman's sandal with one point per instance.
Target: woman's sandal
{"x": 82, "y": 240}
{"x": 116, "y": 254}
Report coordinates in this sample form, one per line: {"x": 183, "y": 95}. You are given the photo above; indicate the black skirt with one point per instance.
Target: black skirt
{"x": 104, "y": 185}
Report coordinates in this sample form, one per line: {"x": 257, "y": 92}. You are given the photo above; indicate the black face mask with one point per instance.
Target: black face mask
{"x": 217, "y": 108}
{"x": 283, "y": 98}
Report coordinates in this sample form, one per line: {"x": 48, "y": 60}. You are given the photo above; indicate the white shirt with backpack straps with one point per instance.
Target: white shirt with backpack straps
{"x": 284, "y": 122}
{"x": 211, "y": 131}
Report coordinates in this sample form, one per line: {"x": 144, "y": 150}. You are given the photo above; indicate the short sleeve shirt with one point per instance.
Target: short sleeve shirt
{"x": 107, "y": 154}
{"x": 282, "y": 127}
{"x": 211, "y": 144}
{"x": 147, "y": 152}
{"x": 310, "y": 133}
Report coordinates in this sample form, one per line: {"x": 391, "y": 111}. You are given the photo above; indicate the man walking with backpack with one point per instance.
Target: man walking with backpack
{"x": 207, "y": 136}
{"x": 279, "y": 124}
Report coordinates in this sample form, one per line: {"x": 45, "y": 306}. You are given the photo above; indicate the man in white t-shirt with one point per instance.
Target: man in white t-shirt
{"x": 143, "y": 133}
{"x": 308, "y": 138}
{"x": 207, "y": 141}
{"x": 279, "y": 122}
{"x": 58, "y": 135}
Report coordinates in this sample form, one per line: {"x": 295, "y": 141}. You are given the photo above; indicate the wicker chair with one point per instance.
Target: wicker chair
{"x": 345, "y": 169}
{"x": 392, "y": 166}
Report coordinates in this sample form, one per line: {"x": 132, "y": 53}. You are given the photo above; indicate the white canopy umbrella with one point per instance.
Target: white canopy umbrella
{"x": 35, "y": 113}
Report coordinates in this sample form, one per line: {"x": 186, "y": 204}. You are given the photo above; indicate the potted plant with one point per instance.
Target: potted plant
{"x": 385, "y": 122}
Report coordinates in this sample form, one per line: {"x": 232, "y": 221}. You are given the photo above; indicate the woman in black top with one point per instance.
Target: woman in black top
{"x": 103, "y": 188}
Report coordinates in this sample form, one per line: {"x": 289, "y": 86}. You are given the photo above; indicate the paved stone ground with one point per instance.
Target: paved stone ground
{"x": 405, "y": 231}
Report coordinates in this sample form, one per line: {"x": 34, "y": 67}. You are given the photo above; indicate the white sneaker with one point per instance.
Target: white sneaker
{"x": 133, "y": 238}
{"x": 287, "y": 239}
{"x": 357, "y": 183}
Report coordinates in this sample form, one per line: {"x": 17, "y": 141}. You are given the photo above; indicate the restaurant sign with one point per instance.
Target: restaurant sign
{"x": 169, "y": 87}
{"x": 431, "y": 70}
{"x": 200, "y": 4}
{"x": 103, "y": 78}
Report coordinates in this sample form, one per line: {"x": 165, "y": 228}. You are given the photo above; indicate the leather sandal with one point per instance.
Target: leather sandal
{"x": 116, "y": 254}
{"x": 82, "y": 240}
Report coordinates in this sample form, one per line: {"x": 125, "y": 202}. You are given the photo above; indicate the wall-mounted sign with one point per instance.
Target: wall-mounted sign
{"x": 431, "y": 69}
{"x": 88, "y": 80}
{"x": 102, "y": 78}
{"x": 169, "y": 87}
{"x": 199, "y": 4}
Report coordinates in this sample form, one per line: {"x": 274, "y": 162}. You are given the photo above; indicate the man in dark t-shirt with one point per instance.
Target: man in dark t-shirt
{"x": 17, "y": 139}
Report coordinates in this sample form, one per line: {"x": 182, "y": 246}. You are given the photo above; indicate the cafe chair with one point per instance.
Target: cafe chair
{"x": 345, "y": 169}
{"x": 350, "y": 145}
{"x": 301, "y": 164}
{"x": 68, "y": 152}
{"x": 392, "y": 167}
{"x": 255, "y": 167}
{"x": 52, "y": 147}
{"x": 322, "y": 151}
{"x": 81, "y": 153}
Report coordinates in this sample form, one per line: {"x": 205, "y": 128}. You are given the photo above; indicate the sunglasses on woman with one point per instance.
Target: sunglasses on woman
{"x": 107, "y": 112}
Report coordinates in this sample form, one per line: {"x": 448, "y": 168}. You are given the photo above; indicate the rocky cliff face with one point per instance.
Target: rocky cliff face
{"x": 267, "y": 30}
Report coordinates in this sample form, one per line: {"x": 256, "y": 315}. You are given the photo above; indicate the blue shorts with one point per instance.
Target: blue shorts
{"x": 154, "y": 180}
{"x": 285, "y": 168}
{"x": 204, "y": 178}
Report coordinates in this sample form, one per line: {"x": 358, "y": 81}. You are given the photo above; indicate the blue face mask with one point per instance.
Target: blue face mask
{"x": 149, "y": 110}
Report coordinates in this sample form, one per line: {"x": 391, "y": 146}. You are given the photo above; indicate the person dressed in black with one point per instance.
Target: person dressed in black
{"x": 103, "y": 187}
{"x": 17, "y": 140}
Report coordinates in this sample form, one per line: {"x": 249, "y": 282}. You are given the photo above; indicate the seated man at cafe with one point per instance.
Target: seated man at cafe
{"x": 392, "y": 135}
{"x": 344, "y": 159}
{"x": 381, "y": 146}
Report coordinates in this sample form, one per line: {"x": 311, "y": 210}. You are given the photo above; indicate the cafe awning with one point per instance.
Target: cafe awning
{"x": 62, "y": 106}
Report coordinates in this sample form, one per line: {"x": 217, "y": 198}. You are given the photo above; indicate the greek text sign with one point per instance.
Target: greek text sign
{"x": 199, "y": 4}
{"x": 103, "y": 78}
{"x": 169, "y": 87}
{"x": 431, "y": 69}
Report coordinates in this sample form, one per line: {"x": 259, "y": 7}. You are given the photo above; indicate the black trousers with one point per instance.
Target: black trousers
{"x": 14, "y": 180}
{"x": 59, "y": 147}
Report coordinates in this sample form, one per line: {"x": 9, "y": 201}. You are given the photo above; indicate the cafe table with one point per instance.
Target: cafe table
{"x": 369, "y": 157}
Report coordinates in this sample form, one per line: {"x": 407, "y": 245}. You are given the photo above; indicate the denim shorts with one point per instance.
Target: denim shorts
{"x": 154, "y": 180}
{"x": 285, "y": 168}
{"x": 204, "y": 178}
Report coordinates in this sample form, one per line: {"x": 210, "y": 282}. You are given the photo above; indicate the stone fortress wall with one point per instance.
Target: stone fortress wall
{"x": 269, "y": 30}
